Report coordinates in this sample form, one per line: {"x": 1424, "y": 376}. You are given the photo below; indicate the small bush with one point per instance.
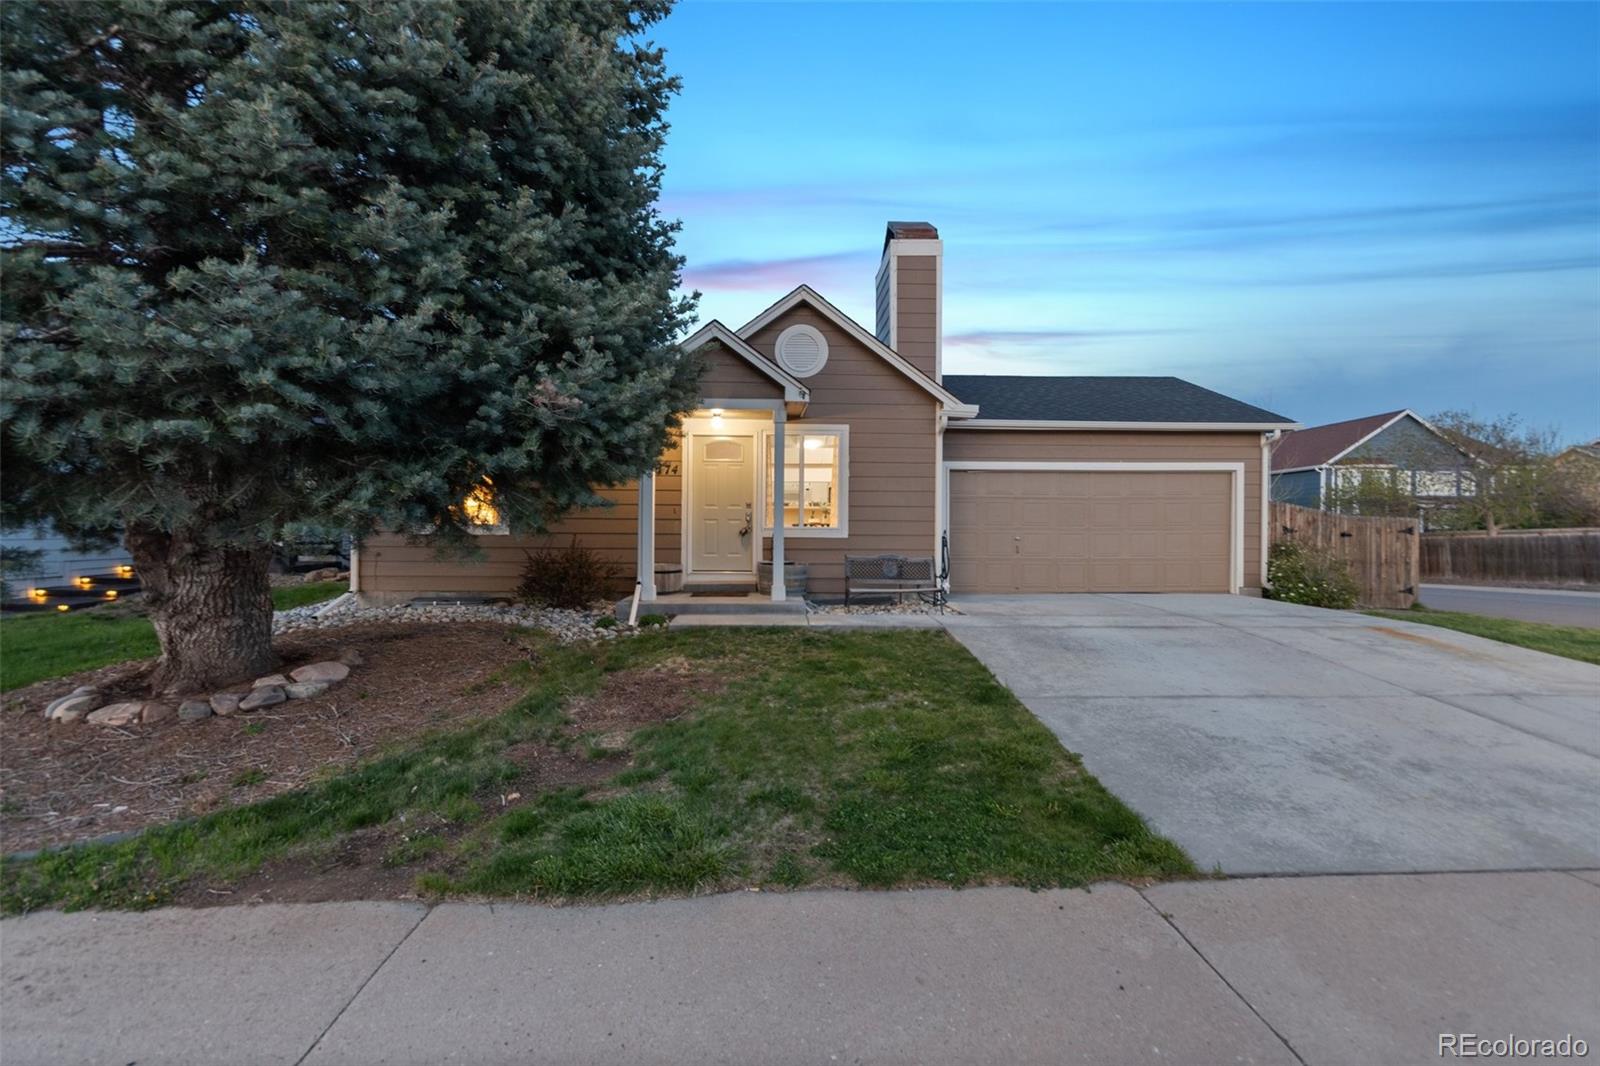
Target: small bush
{"x": 606, "y": 622}
{"x": 1312, "y": 576}
{"x": 648, "y": 620}
{"x": 572, "y": 577}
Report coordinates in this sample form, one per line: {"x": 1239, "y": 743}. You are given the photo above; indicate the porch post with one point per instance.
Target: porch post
{"x": 647, "y": 537}
{"x": 778, "y": 426}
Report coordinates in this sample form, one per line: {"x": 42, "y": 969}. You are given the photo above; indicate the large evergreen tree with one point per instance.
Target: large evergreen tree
{"x": 342, "y": 262}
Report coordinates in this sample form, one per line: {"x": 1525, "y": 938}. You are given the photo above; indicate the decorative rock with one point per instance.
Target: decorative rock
{"x": 327, "y": 573}
{"x": 226, "y": 703}
{"x": 352, "y": 657}
{"x": 86, "y": 690}
{"x": 567, "y": 626}
{"x": 71, "y": 708}
{"x": 155, "y": 711}
{"x": 270, "y": 679}
{"x": 194, "y": 710}
{"x": 267, "y": 696}
{"x": 328, "y": 671}
{"x": 301, "y": 690}
{"x": 118, "y": 714}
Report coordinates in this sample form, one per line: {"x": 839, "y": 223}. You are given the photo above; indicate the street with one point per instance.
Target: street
{"x": 1556, "y": 606}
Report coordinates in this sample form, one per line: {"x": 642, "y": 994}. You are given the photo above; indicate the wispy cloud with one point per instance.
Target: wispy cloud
{"x": 779, "y": 274}
{"x": 992, "y": 338}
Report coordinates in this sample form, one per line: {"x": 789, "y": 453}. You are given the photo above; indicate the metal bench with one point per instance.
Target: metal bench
{"x": 898, "y": 574}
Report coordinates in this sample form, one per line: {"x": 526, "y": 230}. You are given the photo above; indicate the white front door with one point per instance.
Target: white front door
{"x": 721, "y": 535}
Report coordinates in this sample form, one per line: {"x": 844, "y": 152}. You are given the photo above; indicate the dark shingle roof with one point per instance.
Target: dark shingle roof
{"x": 1036, "y": 398}
{"x": 1319, "y": 444}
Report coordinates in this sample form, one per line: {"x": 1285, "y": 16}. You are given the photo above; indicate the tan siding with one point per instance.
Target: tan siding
{"x": 728, "y": 375}
{"x": 917, "y": 307}
{"x": 1129, "y": 447}
{"x": 891, "y": 420}
{"x": 395, "y": 568}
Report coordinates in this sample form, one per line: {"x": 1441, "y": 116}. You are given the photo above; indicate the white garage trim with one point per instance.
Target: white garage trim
{"x": 1236, "y": 526}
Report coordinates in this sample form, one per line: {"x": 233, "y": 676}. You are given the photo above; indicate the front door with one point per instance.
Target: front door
{"x": 721, "y": 536}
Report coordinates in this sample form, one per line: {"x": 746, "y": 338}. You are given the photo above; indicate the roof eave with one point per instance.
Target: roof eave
{"x": 1154, "y": 427}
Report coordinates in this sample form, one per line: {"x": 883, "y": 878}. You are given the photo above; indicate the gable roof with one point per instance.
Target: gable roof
{"x": 1320, "y": 445}
{"x": 793, "y": 391}
{"x": 1108, "y": 401}
{"x": 806, "y": 294}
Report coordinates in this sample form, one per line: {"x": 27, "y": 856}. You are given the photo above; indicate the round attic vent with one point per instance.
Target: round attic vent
{"x": 802, "y": 351}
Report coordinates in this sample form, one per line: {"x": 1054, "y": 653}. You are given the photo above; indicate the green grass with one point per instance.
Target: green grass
{"x": 1571, "y": 642}
{"x": 869, "y": 758}
{"x": 287, "y": 596}
{"x": 35, "y": 647}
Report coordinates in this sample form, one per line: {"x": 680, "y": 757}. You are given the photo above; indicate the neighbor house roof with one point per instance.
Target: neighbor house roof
{"x": 1104, "y": 400}
{"x": 1323, "y": 444}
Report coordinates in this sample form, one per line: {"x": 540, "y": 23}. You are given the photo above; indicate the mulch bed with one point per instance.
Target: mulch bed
{"x": 67, "y": 782}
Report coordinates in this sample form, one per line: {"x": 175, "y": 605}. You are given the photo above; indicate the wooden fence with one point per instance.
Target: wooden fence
{"x": 1516, "y": 556}
{"x": 1381, "y": 552}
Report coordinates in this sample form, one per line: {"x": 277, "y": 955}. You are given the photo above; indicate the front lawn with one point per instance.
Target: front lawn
{"x": 1572, "y": 642}
{"x": 34, "y": 647}
{"x": 666, "y": 763}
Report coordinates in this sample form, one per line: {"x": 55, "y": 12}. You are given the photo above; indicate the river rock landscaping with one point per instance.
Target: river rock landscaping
{"x": 565, "y": 625}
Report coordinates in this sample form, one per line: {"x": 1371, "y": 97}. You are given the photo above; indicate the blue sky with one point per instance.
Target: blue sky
{"x": 1327, "y": 210}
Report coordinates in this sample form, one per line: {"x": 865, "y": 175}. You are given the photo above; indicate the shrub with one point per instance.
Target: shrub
{"x": 573, "y": 577}
{"x": 646, "y": 621}
{"x": 1312, "y": 576}
{"x": 606, "y": 622}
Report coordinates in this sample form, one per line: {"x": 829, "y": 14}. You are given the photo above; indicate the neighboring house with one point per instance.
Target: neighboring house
{"x": 1582, "y": 461}
{"x": 1043, "y": 484}
{"x": 1317, "y": 466}
{"x": 55, "y": 562}
{"x": 1582, "y": 457}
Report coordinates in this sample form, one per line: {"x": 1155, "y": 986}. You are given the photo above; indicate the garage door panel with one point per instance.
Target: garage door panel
{"x": 1094, "y": 531}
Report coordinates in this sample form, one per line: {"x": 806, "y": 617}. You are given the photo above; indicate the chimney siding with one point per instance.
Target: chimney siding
{"x": 908, "y": 295}
{"x": 917, "y": 307}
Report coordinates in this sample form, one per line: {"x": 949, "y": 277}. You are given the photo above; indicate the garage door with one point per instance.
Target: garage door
{"x": 1090, "y": 531}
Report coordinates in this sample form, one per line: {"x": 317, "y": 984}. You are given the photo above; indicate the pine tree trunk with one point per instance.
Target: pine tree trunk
{"x": 212, "y": 609}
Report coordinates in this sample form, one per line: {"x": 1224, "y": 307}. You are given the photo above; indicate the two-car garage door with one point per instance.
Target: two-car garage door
{"x": 1090, "y": 531}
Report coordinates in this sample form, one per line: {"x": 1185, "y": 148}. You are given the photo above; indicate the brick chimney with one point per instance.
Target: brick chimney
{"x": 910, "y": 293}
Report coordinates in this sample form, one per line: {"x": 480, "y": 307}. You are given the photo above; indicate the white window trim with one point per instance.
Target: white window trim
{"x": 822, "y": 347}
{"x": 802, "y": 429}
{"x": 1236, "y": 469}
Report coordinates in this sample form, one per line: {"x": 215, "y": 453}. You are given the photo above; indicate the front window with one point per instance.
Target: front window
{"x": 816, "y": 472}
{"x": 483, "y": 516}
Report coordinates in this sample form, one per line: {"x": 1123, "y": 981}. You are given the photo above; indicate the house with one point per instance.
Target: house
{"x": 1396, "y": 453}
{"x": 44, "y": 568}
{"x": 1042, "y": 484}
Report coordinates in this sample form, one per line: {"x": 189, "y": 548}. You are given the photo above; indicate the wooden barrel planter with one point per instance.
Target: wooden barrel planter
{"x": 794, "y": 578}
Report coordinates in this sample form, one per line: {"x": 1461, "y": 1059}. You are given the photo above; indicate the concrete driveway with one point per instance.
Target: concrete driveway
{"x": 1269, "y": 738}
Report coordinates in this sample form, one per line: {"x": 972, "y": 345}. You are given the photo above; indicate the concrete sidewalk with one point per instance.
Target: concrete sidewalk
{"x": 1317, "y": 970}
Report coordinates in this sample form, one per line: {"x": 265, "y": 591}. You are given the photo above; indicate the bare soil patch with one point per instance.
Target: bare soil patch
{"x": 67, "y": 782}
{"x": 361, "y": 865}
{"x": 633, "y": 699}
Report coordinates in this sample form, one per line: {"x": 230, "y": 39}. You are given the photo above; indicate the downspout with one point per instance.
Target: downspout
{"x": 1267, "y": 441}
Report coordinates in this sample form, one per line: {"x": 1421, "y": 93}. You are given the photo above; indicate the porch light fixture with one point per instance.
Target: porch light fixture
{"x": 813, "y": 443}
{"x": 716, "y": 415}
